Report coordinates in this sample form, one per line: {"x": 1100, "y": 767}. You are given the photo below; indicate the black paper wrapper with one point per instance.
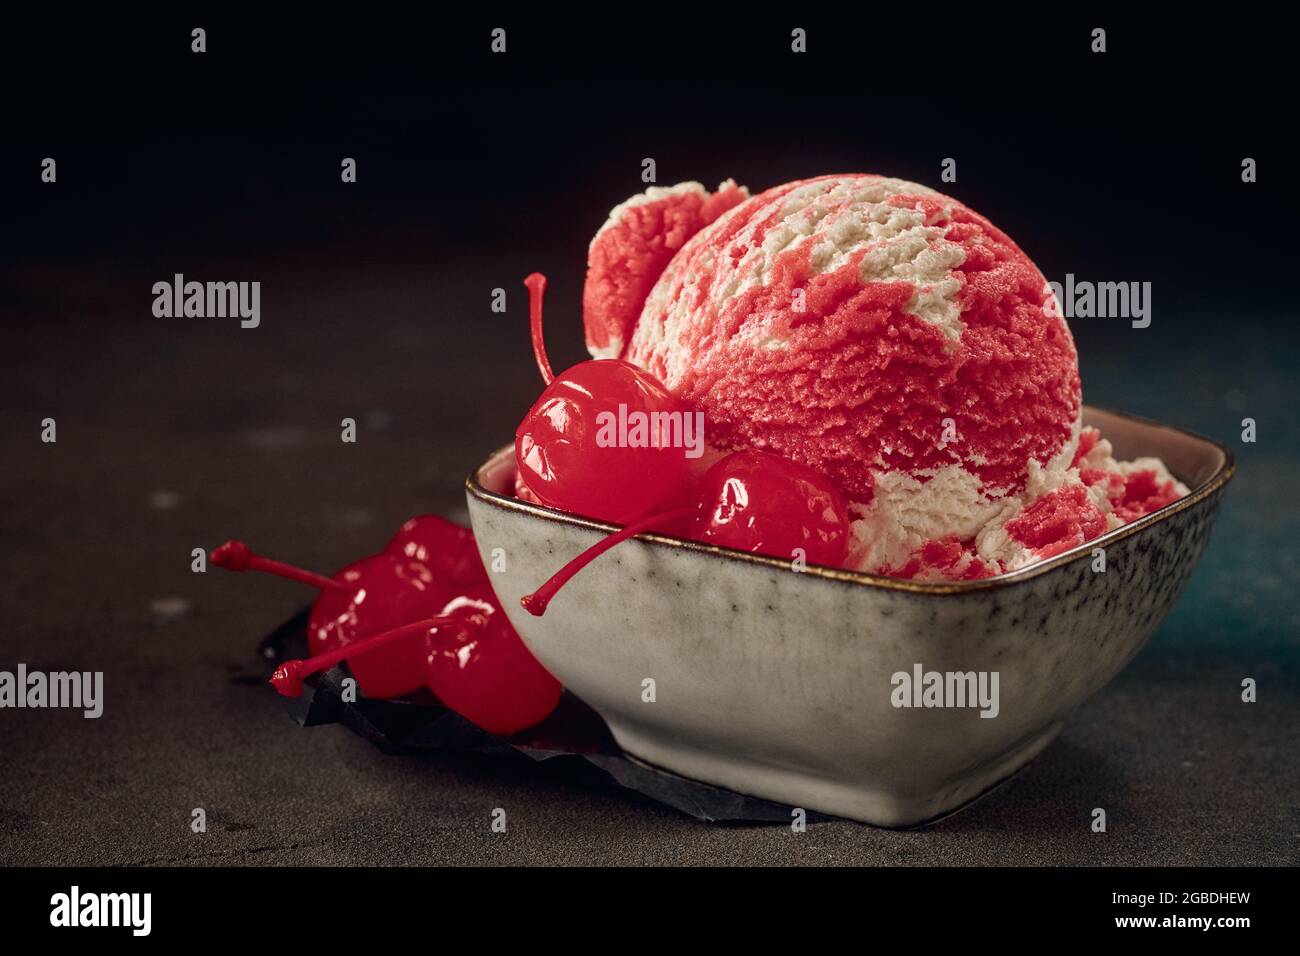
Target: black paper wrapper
{"x": 574, "y": 738}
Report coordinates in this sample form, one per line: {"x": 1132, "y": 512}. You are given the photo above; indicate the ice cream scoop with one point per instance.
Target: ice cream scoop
{"x": 874, "y": 330}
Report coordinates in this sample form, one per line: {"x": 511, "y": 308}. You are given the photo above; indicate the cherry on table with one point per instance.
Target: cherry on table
{"x": 484, "y": 672}
{"x": 444, "y": 547}
{"x": 288, "y": 676}
{"x": 402, "y": 627}
{"x": 367, "y": 597}
{"x": 469, "y": 657}
{"x": 388, "y": 592}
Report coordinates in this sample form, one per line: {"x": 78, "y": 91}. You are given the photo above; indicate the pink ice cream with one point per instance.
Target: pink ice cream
{"x": 888, "y": 337}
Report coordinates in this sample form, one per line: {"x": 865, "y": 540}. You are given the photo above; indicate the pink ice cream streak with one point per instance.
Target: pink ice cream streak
{"x": 879, "y": 332}
{"x": 628, "y": 253}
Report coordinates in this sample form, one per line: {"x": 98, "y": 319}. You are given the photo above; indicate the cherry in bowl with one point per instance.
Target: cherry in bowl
{"x": 604, "y": 439}
{"x": 765, "y": 504}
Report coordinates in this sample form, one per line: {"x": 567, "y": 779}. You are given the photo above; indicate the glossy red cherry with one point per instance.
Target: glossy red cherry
{"x": 605, "y": 439}
{"x": 759, "y": 502}
{"x": 288, "y": 677}
{"x": 367, "y": 597}
{"x": 460, "y": 645}
{"x": 484, "y": 672}
{"x": 386, "y": 591}
{"x": 444, "y": 547}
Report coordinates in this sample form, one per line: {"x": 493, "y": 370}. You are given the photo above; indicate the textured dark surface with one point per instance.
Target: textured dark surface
{"x": 240, "y": 428}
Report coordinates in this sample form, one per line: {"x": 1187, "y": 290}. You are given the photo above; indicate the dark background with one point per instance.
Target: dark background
{"x": 475, "y": 170}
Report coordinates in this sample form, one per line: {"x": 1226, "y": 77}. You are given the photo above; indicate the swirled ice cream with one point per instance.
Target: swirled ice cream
{"x": 890, "y": 338}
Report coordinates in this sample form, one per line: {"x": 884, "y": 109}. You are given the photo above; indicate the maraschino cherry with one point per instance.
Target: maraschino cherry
{"x": 751, "y": 501}
{"x": 444, "y": 547}
{"x": 472, "y": 660}
{"x": 558, "y": 454}
{"x": 367, "y": 597}
{"x": 460, "y": 645}
{"x": 759, "y": 502}
{"x": 287, "y": 678}
{"x": 485, "y": 673}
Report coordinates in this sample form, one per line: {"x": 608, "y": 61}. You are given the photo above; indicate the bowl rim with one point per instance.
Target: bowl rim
{"x": 475, "y": 488}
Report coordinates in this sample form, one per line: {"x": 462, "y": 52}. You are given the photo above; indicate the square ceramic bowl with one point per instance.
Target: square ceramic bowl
{"x": 779, "y": 684}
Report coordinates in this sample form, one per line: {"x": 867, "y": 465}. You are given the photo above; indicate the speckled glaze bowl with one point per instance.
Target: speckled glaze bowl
{"x": 778, "y": 684}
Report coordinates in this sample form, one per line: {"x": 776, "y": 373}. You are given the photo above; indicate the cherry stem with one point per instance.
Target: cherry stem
{"x": 288, "y": 677}
{"x": 237, "y": 556}
{"x": 536, "y": 284}
{"x": 537, "y": 602}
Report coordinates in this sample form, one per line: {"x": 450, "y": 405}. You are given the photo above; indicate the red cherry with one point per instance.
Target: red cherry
{"x": 751, "y": 501}
{"x": 599, "y": 441}
{"x": 479, "y": 667}
{"x": 288, "y": 677}
{"x": 484, "y": 672}
{"x": 445, "y": 548}
{"x": 386, "y": 592}
{"x": 759, "y": 502}
{"x": 367, "y": 597}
